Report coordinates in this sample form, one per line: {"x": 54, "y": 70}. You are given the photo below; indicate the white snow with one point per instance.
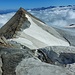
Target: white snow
{"x": 73, "y": 26}
{"x": 24, "y": 42}
{"x": 37, "y": 32}
{"x": 35, "y": 37}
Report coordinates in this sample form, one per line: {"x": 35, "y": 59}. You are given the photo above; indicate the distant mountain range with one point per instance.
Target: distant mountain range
{"x": 37, "y": 9}
{"x": 50, "y": 7}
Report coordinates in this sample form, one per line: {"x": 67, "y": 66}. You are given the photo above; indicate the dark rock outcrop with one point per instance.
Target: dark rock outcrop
{"x": 59, "y": 55}
{"x": 24, "y": 61}
{"x": 4, "y": 42}
{"x": 11, "y": 58}
{"x": 14, "y": 24}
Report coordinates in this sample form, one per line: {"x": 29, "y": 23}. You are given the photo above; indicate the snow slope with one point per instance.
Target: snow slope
{"x": 27, "y": 30}
{"x": 36, "y": 37}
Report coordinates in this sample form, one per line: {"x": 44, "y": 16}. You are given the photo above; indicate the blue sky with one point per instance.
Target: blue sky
{"x": 16, "y": 4}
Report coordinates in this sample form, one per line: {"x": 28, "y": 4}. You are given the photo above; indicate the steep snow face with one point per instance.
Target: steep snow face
{"x": 35, "y": 37}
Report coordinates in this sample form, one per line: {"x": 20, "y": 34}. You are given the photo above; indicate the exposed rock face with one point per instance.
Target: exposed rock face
{"x": 59, "y": 55}
{"x": 24, "y": 62}
{"x": 35, "y": 67}
{"x": 4, "y": 42}
{"x": 14, "y": 24}
{"x": 10, "y": 59}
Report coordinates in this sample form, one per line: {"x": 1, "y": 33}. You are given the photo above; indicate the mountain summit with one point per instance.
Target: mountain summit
{"x": 14, "y": 24}
{"x": 27, "y": 30}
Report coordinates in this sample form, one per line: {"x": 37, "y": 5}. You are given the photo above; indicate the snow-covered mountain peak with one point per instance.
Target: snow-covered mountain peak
{"x": 27, "y": 30}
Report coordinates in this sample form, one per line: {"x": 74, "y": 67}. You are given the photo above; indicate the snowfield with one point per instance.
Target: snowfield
{"x": 36, "y": 37}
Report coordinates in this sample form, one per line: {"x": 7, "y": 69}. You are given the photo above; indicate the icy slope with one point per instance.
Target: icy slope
{"x": 31, "y": 32}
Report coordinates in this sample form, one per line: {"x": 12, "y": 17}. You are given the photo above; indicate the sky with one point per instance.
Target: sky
{"x": 27, "y": 4}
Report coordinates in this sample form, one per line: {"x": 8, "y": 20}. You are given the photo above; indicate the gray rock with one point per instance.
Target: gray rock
{"x": 11, "y": 57}
{"x": 61, "y": 55}
{"x": 24, "y": 62}
{"x": 4, "y": 42}
{"x": 15, "y": 24}
{"x": 32, "y": 66}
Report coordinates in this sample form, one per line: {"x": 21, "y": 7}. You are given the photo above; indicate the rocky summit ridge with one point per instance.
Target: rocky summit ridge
{"x": 29, "y": 47}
